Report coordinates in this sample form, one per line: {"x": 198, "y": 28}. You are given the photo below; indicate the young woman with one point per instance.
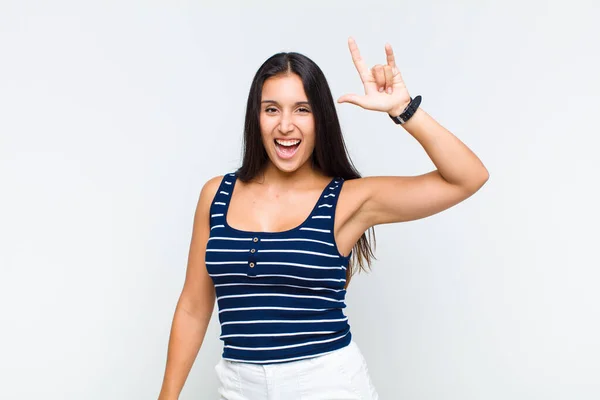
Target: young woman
{"x": 276, "y": 241}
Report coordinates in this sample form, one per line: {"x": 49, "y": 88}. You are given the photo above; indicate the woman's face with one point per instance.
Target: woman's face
{"x": 286, "y": 122}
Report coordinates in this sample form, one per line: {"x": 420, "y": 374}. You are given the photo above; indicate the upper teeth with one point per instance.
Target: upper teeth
{"x": 287, "y": 142}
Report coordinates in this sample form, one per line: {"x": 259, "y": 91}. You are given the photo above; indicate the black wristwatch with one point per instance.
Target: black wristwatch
{"x": 409, "y": 111}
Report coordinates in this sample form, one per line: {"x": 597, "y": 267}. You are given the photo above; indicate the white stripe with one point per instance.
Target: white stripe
{"x": 285, "y": 347}
{"x": 229, "y": 250}
{"x": 297, "y": 239}
{"x": 292, "y": 277}
{"x": 280, "y": 359}
{"x": 217, "y": 226}
{"x": 331, "y": 187}
{"x": 217, "y": 275}
{"x": 325, "y": 205}
{"x": 341, "y": 267}
{"x": 224, "y": 262}
{"x": 284, "y": 321}
{"x": 321, "y": 217}
{"x": 295, "y": 296}
{"x": 300, "y": 252}
{"x": 227, "y": 183}
{"x": 316, "y": 230}
{"x": 274, "y": 308}
{"x": 336, "y": 181}
{"x": 217, "y": 215}
{"x": 224, "y": 192}
{"x": 330, "y": 194}
{"x": 228, "y": 238}
{"x": 297, "y": 265}
{"x": 275, "y": 284}
{"x": 279, "y": 334}
{"x": 219, "y": 203}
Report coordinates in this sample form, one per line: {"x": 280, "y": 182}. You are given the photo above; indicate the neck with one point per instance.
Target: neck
{"x": 302, "y": 177}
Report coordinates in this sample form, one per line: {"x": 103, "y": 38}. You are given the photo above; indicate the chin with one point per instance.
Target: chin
{"x": 287, "y": 167}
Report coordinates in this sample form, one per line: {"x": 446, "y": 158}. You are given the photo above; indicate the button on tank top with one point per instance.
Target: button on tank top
{"x": 280, "y": 295}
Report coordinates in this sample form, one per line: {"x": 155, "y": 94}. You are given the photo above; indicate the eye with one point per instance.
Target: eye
{"x": 269, "y": 110}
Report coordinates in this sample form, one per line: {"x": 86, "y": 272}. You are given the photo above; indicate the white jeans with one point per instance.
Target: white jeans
{"x": 342, "y": 374}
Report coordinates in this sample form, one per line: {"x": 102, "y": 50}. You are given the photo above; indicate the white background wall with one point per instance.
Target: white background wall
{"x": 114, "y": 114}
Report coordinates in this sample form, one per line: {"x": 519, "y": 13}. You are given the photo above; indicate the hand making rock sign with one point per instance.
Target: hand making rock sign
{"x": 385, "y": 89}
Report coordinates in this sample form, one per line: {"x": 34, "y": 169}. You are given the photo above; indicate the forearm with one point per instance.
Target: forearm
{"x": 187, "y": 335}
{"x": 455, "y": 162}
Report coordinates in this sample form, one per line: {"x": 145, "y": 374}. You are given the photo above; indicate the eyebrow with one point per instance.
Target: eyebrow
{"x": 297, "y": 103}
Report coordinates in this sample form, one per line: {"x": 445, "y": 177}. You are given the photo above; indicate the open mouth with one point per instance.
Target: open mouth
{"x": 287, "y": 148}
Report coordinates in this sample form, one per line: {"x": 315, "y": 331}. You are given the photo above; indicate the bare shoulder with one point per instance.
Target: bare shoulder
{"x": 354, "y": 192}
{"x": 348, "y": 224}
{"x": 211, "y": 185}
{"x": 353, "y": 195}
{"x": 208, "y": 192}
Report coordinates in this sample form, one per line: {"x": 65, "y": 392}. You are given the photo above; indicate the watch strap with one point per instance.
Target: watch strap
{"x": 408, "y": 112}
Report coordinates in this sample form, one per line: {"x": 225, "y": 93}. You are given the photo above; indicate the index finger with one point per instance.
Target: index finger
{"x": 359, "y": 63}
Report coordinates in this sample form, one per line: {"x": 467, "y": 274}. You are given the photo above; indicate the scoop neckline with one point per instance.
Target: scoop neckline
{"x": 226, "y": 212}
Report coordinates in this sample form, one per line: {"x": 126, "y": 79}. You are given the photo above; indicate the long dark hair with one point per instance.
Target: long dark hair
{"x": 330, "y": 155}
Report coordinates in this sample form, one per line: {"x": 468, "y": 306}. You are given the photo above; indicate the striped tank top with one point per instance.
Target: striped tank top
{"x": 280, "y": 295}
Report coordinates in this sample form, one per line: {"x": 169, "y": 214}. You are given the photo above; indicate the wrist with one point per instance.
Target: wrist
{"x": 407, "y": 112}
{"x": 415, "y": 121}
{"x": 399, "y": 109}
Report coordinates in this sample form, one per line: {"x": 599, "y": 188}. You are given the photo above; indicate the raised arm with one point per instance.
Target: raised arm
{"x": 386, "y": 199}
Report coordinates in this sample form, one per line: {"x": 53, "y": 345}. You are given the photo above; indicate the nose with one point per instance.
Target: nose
{"x": 285, "y": 123}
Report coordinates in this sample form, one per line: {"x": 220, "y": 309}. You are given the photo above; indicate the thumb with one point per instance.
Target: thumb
{"x": 352, "y": 98}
